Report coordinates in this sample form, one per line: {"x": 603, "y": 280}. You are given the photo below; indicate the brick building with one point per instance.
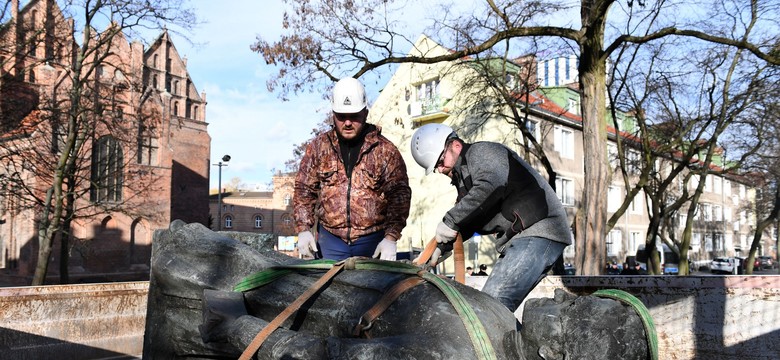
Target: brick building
{"x": 263, "y": 212}
{"x": 144, "y": 162}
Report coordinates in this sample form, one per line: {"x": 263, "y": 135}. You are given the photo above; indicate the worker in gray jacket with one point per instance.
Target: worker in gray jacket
{"x": 498, "y": 193}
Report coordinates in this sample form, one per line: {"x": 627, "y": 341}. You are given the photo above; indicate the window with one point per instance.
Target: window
{"x": 634, "y": 241}
{"x": 614, "y": 198}
{"x": 717, "y": 185}
{"x": 147, "y": 146}
{"x": 195, "y": 113}
{"x": 694, "y": 182}
{"x": 707, "y": 242}
{"x": 718, "y": 242}
{"x": 636, "y": 203}
{"x": 287, "y": 199}
{"x": 428, "y": 90}
{"x": 706, "y": 210}
{"x": 633, "y": 162}
{"x": 175, "y": 110}
{"x": 228, "y": 222}
{"x": 717, "y": 213}
{"x": 613, "y": 242}
{"x": 564, "y": 142}
{"x": 154, "y": 62}
{"x": 683, "y": 219}
{"x": 106, "y": 171}
{"x": 741, "y": 191}
{"x": 708, "y": 183}
{"x": 287, "y": 220}
{"x": 232, "y": 208}
{"x": 727, "y": 213}
{"x": 612, "y": 155}
{"x": 510, "y": 80}
{"x": 258, "y": 221}
{"x": 564, "y": 188}
{"x": 574, "y": 107}
{"x": 726, "y": 187}
{"x": 695, "y": 241}
{"x": 533, "y": 128}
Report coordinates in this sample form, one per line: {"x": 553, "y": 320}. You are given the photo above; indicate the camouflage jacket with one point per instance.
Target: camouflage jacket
{"x": 376, "y": 198}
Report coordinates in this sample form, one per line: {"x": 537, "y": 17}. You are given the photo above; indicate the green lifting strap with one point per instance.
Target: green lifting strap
{"x": 474, "y": 327}
{"x": 641, "y": 310}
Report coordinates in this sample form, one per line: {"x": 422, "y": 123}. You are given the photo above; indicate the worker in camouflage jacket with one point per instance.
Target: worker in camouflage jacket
{"x": 352, "y": 184}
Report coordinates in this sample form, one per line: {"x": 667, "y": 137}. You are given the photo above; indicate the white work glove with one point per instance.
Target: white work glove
{"x": 306, "y": 244}
{"x": 387, "y": 248}
{"x": 434, "y": 260}
{"x": 444, "y": 233}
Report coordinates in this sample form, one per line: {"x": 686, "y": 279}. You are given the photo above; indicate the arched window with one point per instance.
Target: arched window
{"x": 287, "y": 220}
{"x": 287, "y": 200}
{"x": 195, "y": 113}
{"x": 258, "y": 221}
{"x": 32, "y": 76}
{"x": 175, "y": 109}
{"x": 228, "y": 222}
{"x": 107, "y": 171}
{"x": 154, "y": 63}
{"x": 154, "y": 81}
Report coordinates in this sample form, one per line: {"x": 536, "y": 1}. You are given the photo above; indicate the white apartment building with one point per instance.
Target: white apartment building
{"x": 418, "y": 94}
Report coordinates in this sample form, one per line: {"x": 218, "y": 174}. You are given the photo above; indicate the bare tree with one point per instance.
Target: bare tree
{"x": 71, "y": 165}
{"x": 328, "y": 39}
{"x": 685, "y": 111}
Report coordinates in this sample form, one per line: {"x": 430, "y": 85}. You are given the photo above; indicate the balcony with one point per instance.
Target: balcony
{"x": 428, "y": 110}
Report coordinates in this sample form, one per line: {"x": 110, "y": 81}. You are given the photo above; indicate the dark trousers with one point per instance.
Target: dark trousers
{"x": 523, "y": 265}
{"x": 334, "y": 248}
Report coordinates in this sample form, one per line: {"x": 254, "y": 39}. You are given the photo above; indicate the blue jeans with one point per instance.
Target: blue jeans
{"x": 524, "y": 263}
{"x": 334, "y": 248}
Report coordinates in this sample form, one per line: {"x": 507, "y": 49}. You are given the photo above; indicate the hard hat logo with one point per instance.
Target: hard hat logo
{"x": 344, "y": 91}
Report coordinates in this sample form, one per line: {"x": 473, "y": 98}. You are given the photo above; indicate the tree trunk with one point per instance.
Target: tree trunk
{"x": 590, "y": 239}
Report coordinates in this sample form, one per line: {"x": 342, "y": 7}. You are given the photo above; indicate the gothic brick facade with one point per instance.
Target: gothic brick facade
{"x": 150, "y": 130}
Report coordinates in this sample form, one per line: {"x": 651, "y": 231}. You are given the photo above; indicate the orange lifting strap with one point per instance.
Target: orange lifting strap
{"x": 460, "y": 258}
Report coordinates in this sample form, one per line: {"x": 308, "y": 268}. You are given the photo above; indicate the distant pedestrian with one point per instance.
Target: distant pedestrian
{"x": 482, "y": 271}
{"x": 469, "y": 271}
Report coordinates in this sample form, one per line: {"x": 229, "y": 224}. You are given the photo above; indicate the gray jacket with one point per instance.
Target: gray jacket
{"x": 499, "y": 193}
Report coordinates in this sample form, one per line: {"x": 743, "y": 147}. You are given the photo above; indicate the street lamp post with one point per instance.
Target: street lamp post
{"x": 225, "y": 158}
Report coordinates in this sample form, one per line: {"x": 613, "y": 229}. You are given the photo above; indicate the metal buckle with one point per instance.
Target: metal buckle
{"x": 367, "y": 326}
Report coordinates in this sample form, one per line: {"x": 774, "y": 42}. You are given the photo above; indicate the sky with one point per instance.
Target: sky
{"x": 253, "y": 126}
{"x": 256, "y": 128}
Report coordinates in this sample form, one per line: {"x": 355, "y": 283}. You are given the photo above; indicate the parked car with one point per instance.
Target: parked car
{"x": 743, "y": 264}
{"x": 726, "y": 265}
{"x": 767, "y": 262}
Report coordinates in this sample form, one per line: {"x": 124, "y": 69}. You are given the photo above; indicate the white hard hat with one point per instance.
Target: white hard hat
{"x": 349, "y": 96}
{"x": 428, "y": 143}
